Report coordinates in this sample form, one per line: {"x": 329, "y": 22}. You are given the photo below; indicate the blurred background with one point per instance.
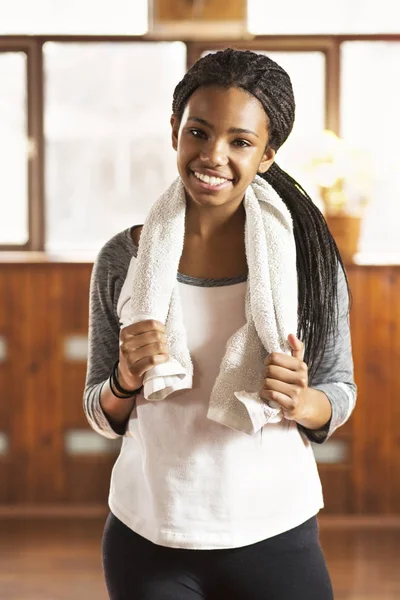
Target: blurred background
{"x": 85, "y": 101}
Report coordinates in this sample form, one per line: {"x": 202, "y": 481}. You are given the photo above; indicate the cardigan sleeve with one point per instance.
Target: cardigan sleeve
{"x": 335, "y": 373}
{"x": 108, "y": 275}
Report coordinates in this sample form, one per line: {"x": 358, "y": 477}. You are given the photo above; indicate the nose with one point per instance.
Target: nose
{"x": 214, "y": 153}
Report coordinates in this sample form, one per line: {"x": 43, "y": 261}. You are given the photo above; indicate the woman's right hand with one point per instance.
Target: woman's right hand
{"x": 142, "y": 346}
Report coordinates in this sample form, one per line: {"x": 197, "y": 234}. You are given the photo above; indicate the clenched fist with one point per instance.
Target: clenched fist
{"x": 142, "y": 346}
{"x": 286, "y": 380}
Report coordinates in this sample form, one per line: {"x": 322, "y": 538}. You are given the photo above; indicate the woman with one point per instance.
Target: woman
{"x": 201, "y": 508}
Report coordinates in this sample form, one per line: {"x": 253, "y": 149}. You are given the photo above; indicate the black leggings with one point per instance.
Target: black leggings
{"x": 289, "y": 566}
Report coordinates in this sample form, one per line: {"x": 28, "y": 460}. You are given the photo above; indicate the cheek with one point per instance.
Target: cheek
{"x": 184, "y": 157}
{"x": 186, "y": 148}
{"x": 249, "y": 164}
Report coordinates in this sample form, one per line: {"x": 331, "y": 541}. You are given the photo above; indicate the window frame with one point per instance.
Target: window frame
{"x": 329, "y": 45}
{"x": 34, "y": 112}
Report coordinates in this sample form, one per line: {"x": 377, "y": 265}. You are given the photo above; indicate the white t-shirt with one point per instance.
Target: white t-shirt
{"x": 184, "y": 481}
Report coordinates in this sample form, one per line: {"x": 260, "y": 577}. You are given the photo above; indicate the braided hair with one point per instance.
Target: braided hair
{"x": 318, "y": 258}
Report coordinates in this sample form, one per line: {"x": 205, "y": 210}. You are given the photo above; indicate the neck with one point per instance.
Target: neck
{"x": 206, "y": 222}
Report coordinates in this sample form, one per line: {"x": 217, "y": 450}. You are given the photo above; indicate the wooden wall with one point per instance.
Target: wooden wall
{"x": 41, "y": 393}
{"x": 208, "y": 10}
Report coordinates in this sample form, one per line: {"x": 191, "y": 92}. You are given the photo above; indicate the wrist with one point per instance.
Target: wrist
{"x": 317, "y": 410}
{"x": 126, "y": 379}
{"x": 118, "y": 388}
{"x": 117, "y": 410}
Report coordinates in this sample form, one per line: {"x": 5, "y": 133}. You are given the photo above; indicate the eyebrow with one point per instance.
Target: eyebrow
{"x": 231, "y": 130}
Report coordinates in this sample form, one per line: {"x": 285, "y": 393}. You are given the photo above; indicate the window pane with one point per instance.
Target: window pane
{"x": 85, "y": 441}
{"x": 370, "y": 121}
{"x": 315, "y": 17}
{"x": 13, "y": 149}
{"x": 3, "y": 349}
{"x": 108, "y": 148}
{"x": 332, "y": 452}
{"x": 4, "y": 444}
{"x": 119, "y": 17}
{"x": 307, "y": 73}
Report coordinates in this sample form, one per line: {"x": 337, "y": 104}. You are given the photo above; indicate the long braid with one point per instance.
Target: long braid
{"x": 317, "y": 266}
{"x": 318, "y": 258}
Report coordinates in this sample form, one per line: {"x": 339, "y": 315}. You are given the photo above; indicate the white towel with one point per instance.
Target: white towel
{"x": 271, "y": 304}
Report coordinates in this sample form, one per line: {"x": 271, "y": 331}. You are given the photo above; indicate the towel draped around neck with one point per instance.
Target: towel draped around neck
{"x": 271, "y": 304}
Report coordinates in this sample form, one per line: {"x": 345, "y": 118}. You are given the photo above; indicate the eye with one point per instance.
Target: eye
{"x": 241, "y": 144}
{"x": 197, "y": 133}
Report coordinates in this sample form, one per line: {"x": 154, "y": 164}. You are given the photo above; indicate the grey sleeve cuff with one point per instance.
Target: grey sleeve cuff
{"x": 96, "y": 416}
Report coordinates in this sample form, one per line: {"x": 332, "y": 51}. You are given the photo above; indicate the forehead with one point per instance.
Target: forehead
{"x": 232, "y": 107}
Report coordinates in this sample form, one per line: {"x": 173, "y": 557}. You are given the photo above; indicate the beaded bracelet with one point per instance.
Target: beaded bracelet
{"x": 117, "y": 388}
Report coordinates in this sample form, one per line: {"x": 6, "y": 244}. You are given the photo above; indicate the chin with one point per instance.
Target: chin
{"x": 207, "y": 199}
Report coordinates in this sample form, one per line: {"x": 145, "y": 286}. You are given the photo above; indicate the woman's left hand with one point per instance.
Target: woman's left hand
{"x": 286, "y": 380}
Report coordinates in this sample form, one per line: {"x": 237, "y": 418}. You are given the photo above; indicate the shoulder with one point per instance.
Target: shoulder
{"x": 135, "y": 235}
{"x": 110, "y": 270}
{"x": 118, "y": 251}
{"x": 112, "y": 264}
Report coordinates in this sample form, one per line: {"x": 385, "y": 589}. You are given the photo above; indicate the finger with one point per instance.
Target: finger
{"x": 132, "y": 357}
{"x": 271, "y": 385}
{"x": 144, "y": 327}
{"x": 274, "y": 372}
{"x": 280, "y": 393}
{"x": 296, "y": 346}
{"x": 134, "y": 342}
{"x": 273, "y": 404}
{"x": 284, "y": 360}
{"x": 150, "y": 361}
{"x": 277, "y": 399}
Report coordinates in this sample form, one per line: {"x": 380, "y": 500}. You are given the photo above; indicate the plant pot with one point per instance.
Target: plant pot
{"x": 346, "y": 231}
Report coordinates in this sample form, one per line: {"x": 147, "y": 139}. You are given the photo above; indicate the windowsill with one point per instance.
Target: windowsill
{"x": 22, "y": 257}
{"x": 88, "y": 257}
{"x": 377, "y": 258}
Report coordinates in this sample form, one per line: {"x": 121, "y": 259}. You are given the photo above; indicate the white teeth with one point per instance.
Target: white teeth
{"x": 210, "y": 180}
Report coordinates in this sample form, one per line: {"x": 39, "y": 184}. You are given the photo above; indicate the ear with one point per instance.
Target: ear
{"x": 267, "y": 160}
{"x": 175, "y": 130}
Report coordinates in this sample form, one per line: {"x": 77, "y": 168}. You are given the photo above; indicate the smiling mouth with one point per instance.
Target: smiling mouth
{"x": 210, "y": 180}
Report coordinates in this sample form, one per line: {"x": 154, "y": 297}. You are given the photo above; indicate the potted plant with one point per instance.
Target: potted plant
{"x": 343, "y": 177}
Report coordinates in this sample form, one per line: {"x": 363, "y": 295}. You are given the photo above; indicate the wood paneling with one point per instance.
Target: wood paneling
{"x": 5, "y": 401}
{"x": 207, "y": 10}
{"x": 375, "y": 319}
{"x": 40, "y": 305}
{"x": 372, "y": 483}
{"x": 394, "y": 455}
{"x": 87, "y": 479}
{"x": 338, "y": 488}
{"x": 41, "y": 392}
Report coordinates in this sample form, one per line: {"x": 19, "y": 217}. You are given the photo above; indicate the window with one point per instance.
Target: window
{"x": 307, "y": 73}
{"x": 107, "y": 135}
{"x": 85, "y": 136}
{"x": 315, "y": 17}
{"x": 369, "y": 120}
{"x": 88, "y": 17}
{"x": 13, "y": 149}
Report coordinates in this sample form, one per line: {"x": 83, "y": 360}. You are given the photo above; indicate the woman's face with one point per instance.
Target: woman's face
{"x": 221, "y": 144}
